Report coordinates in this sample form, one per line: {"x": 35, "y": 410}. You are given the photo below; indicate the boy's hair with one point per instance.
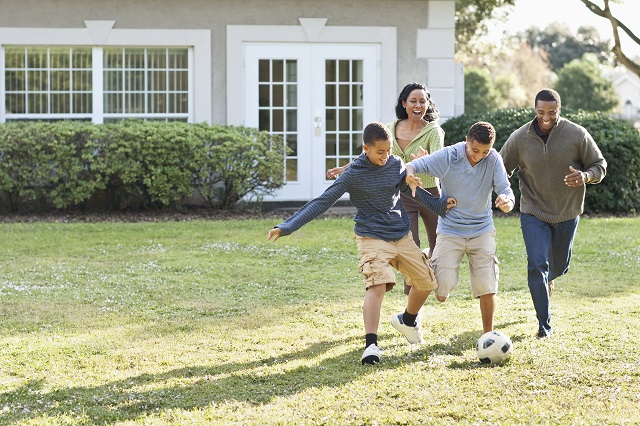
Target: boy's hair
{"x": 374, "y": 132}
{"x": 482, "y": 132}
{"x": 547, "y": 95}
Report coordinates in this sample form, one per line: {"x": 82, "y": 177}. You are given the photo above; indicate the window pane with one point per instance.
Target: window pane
{"x": 277, "y": 71}
{"x": 292, "y": 169}
{"x": 37, "y": 81}
{"x": 178, "y": 80}
{"x": 330, "y": 70}
{"x": 292, "y": 71}
{"x": 292, "y": 144}
{"x": 14, "y": 57}
{"x": 59, "y": 58}
{"x": 14, "y": 104}
{"x": 278, "y": 99}
{"x": 113, "y": 81}
{"x": 14, "y": 81}
{"x": 278, "y": 120}
{"x": 157, "y": 80}
{"x": 82, "y": 80}
{"x": 263, "y": 70}
{"x": 292, "y": 121}
{"x": 264, "y": 97}
{"x": 82, "y": 103}
{"x": 60, "y": 103}
{"x": 157, "y": 58}
{"x": 60, "y": 80}
{"x": 37, "y": 103}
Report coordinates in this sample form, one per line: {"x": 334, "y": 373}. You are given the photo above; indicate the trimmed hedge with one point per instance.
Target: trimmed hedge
{"x": 619, "y": 142}
{"x": 134, "y": 164}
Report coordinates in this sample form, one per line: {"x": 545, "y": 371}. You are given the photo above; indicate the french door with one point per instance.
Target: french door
{"x": 318, "y": 97}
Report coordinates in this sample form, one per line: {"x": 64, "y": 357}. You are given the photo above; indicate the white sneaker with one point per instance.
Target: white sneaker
{"x": 371, "y": 354}
{"x": 413, "y": 334}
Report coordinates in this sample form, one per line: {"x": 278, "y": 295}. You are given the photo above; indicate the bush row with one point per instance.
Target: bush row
{"x": 619, "y": 142}
{"x": 134, "y": 164}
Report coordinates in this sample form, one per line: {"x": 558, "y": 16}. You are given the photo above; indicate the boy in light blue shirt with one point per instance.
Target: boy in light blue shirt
{"x": 469, "y": 171}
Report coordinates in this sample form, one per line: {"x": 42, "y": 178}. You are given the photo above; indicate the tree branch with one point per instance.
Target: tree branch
{"x": 615, "y": 24}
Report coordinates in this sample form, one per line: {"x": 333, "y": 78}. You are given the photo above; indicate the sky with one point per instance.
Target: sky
{"x": 573, "y": 13}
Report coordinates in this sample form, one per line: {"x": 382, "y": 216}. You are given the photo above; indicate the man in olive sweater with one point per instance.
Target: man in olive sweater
{"x": 556, "y": 159}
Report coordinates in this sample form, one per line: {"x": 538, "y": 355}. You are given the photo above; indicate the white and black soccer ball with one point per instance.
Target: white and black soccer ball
{"x": 493, "y": 347}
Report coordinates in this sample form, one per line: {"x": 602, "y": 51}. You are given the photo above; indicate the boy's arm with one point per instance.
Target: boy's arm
{"x": 310, "y": 211}
{"x": 438, "y": 205}
{"x": 505, "y": 200}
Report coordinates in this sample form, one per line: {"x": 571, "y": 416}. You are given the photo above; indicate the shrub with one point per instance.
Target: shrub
{"x": 137, "y": 164}
{"x": 619, "y": 142}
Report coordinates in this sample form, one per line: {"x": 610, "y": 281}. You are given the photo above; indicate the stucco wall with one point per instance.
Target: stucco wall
{"x": 407, "y": 16}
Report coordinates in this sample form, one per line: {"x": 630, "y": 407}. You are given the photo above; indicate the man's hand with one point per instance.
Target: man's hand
{"x": 504, "y": 203}
{"x": 576, "y": 177}
{"x": 275, "y": 234}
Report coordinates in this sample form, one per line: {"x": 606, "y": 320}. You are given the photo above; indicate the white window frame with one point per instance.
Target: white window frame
{"x": 100, "y": 34}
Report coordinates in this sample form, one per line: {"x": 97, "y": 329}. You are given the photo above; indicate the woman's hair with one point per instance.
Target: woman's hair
{"x": 432, "y": 112}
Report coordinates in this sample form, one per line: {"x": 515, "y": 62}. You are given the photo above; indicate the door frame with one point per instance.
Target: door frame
{"x": 310, "y": 30}
{"x": 311, "y": 106}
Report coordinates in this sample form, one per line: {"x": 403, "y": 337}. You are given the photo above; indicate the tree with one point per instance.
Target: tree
{"x": 582, "y": 86}
{"x": 471, "y": 17}
{"x": 562, "y": 46}
{"x": 479, "y": 93}
{"x": 616, "y": 26}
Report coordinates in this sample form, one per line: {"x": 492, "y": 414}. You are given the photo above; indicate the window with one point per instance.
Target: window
{"x": 102, "y": 73}
{"x": 58, "y": 83}
{"x": 45, "y": 82}
{"x": 147, "y": 83}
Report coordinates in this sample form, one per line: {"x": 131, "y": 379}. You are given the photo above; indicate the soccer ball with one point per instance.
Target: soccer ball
{"x": 493, "y": 347}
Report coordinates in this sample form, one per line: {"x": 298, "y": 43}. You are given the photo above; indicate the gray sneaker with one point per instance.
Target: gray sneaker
{"x": 413, "y": 334}
{"x": 371, "y": 355}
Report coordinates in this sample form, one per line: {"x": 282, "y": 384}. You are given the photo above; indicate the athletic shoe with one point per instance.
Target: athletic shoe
{"x": 371, "y": 354}
{"x": 413, "y": 334}
{"x": 543, "y": 334}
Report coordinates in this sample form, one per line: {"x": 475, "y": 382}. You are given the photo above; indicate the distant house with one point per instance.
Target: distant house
{"x": 627, "y": 85}
{"x": 314, "y": 72}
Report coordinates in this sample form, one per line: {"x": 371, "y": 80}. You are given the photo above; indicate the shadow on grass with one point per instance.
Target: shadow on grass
{"x": 202, "y": 386}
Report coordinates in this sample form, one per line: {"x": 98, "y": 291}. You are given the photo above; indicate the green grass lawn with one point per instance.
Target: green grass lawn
{"x": 205, "y": 322}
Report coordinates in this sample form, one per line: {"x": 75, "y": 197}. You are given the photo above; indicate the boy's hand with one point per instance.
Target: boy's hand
{"x": 275, "y": 233}
{"x": 451, "y": 203}
{"x": 413, "y": 181}
{"x": 421, "y": 153}
{"x": 504, "y": 203}
{"x": 335, "y": 172}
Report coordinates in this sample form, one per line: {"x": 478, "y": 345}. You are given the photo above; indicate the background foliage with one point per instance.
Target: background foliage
{"x": 619, "y": 142}
{"x": 134, "y": 164}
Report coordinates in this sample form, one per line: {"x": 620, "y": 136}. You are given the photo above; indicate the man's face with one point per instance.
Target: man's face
{"x": 476, "y": 151}
{"x": 547, "y": 114}
{"x": 379, "y": 152}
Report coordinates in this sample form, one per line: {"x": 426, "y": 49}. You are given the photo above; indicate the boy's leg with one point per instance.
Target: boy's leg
{"x": 487, "y": 311}
{"x": 371, "y": 308}
{"x": 445, "y": 262}
{"x": 484, "y": 275}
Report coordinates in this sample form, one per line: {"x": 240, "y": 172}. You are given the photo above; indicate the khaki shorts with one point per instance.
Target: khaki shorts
{"x": 483, "y": 263}
{"x": 376, "y": 255}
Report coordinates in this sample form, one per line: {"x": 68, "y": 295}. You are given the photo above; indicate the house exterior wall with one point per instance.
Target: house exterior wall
{"x": 627, "y": 86}
{"x": 411, "y": 19}
{"x": 318, "y": 108}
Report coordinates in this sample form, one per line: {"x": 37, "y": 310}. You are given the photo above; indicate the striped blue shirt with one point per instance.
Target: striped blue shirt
{"x": 375, "y": 192}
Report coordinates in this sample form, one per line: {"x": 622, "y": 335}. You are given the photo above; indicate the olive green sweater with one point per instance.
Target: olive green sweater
{"x": 542, "y": 168}
{"x": 431, "y": 138}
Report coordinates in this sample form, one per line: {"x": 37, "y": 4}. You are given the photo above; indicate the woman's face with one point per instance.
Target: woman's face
{"x": 416, "y": 104}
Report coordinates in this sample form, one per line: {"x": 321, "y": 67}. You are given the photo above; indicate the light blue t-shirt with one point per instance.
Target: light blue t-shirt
{"x": 471, "y": 186}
